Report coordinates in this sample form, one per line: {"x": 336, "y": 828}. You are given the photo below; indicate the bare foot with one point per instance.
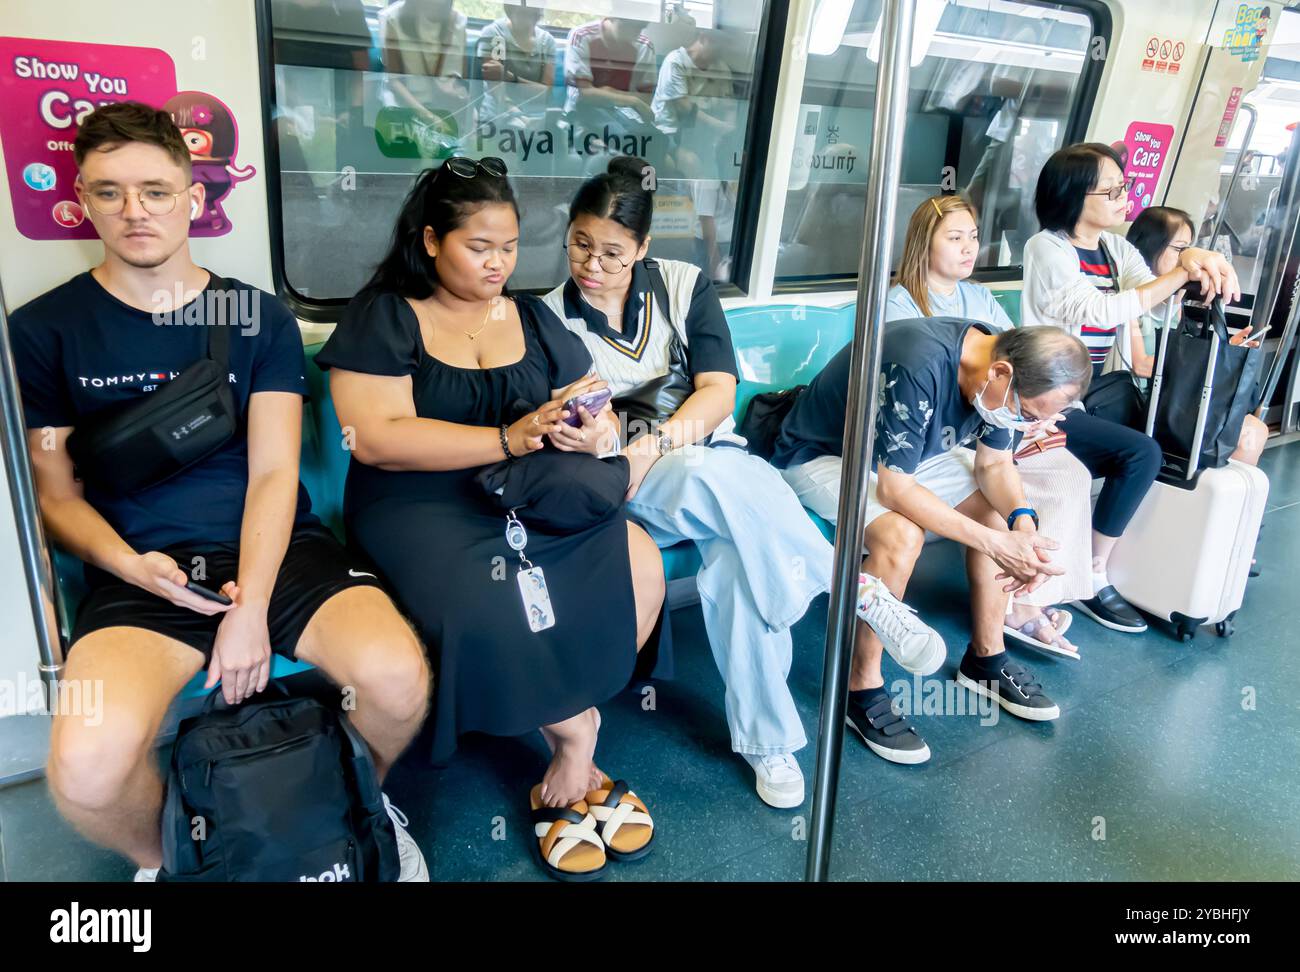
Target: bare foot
{"x": 566, "y": 779}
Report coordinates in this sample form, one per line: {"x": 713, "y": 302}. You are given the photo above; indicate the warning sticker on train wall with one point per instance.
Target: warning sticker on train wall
{"x": 1229, "y": 115}
{"x": 1163, "y": 55}
{"x": 1145, "y": 146}
{"x": 47, "y": 87}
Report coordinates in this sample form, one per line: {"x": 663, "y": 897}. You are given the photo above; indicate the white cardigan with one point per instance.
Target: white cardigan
{"x": 1057, "y": 292}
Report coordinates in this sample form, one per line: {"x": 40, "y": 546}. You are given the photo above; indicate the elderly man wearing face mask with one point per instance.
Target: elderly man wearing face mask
{"x": 944, "y": 383}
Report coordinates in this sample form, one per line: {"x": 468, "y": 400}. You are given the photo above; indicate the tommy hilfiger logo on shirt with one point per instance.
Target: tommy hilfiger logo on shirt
{"x": 145, "y": 379}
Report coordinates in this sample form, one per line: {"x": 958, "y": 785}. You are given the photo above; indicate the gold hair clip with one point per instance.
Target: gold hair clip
{"x": 937, "y": 210}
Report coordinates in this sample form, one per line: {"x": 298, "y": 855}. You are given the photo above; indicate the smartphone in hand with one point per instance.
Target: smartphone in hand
{"x": 593, "y": 402}
{"x": 210, "y": 594}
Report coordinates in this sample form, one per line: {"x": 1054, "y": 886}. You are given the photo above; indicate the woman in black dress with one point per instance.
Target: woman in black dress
{"x": 435, "y": 375}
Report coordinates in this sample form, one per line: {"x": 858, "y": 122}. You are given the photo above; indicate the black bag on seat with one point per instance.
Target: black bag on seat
{"x": 279, "y": 789}
{"x": 763, "y": 417}
{"x": 1198, "y": 353}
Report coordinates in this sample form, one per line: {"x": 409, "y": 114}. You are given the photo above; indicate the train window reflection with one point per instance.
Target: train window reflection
{"x": 993, "y": 86}
{"x": 369, "y": 93}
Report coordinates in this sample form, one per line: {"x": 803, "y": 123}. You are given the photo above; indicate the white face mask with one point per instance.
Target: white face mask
{"x": 1001, "y": 417}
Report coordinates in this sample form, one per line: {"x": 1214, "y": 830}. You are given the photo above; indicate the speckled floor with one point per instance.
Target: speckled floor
{"x": 1158, "y": 768}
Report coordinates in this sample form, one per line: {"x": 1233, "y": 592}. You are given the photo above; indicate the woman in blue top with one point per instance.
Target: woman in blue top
{"x": 938, "y": 255}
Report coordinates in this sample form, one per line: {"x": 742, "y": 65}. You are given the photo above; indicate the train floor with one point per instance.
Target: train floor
{"x": 1170, "y": 761}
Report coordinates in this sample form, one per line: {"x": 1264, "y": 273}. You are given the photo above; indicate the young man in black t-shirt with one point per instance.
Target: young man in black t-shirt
{"x": 238, "y": 520}
{"x": 944, "y": 384}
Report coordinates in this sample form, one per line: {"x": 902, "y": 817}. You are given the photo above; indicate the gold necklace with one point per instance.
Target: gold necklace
{"x": 491, "y": 304}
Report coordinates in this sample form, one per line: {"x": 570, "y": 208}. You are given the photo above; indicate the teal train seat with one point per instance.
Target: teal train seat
{"x": 777, "y": 347}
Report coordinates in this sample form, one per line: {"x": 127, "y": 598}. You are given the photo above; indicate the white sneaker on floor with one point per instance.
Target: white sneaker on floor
{"x": 408, "y": 852}
{"x": 145, "y": 874}
{"x": 778, "y": 779}
{"x": 909, "y": 640}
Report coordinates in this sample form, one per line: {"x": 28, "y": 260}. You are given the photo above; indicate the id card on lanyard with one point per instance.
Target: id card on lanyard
{"x": 532, "y": 582}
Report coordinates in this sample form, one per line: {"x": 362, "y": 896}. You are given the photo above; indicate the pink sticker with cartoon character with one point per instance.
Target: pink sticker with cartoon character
{"x": 212, "y": 137}
{"x": 47, "y": 87}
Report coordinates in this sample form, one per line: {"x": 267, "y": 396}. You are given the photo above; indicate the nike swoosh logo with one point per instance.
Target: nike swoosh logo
{"x": 358, "y": 573}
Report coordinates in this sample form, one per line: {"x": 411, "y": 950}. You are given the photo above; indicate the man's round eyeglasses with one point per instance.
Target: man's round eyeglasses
{"x": 155, "y": 202}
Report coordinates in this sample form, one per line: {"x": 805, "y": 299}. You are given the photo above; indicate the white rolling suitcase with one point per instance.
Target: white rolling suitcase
{"x": 1186, "y": 555}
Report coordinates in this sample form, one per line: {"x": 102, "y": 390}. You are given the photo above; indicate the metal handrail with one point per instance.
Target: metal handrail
{"x": 38, "y": 571}
{"x": 883, "y": 169}
{"x": 1236, "y": 172}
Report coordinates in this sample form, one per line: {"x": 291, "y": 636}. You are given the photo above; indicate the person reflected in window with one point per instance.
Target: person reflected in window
{"x": 1161, "y": 234}
{"x": 657, "y": 334}
{"x": 424, "y": 54}
{"x": 609, "y": 73}
{"x": 690, "y": 97}
{"x": 1083, "y": 278}
{"x": 441, "y": 374}
{"x": 517, "y": 57}
{"x": 938, "y": 256}
{"x": 715, "y": 213}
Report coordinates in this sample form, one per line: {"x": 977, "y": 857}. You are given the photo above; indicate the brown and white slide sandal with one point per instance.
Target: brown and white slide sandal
{"x": 622, "y": 820}
{"x": 566, "y": 843}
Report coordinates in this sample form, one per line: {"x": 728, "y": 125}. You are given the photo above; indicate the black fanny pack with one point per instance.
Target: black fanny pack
{"x": 148, "y": 440}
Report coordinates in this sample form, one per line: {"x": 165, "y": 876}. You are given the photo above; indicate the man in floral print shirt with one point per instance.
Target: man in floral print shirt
{"x": 944, "y": 384}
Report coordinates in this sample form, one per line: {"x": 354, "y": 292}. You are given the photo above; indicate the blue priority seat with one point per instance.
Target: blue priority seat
{"x": 777, "y": 347}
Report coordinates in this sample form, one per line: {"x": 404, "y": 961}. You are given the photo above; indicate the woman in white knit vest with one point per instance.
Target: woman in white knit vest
{"x": 657, "y": 335}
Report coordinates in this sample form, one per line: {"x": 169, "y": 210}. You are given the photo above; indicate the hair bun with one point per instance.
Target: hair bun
{"x": 632, "y": 167}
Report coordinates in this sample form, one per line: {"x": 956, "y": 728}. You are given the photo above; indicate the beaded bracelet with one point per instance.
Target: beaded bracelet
{"x": 505, "y": 443}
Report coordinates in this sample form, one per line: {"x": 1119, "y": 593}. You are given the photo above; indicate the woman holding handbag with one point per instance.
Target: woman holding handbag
{"x": 1094, "y": 283}
{"x": 440, "y": 378}
{"x": 938, "y": 255}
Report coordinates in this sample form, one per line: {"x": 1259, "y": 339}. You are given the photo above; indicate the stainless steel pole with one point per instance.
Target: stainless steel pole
{"x": 859, "y": 419}
{"x": 1236, "y": 172}
{"x": 37, "y": 569}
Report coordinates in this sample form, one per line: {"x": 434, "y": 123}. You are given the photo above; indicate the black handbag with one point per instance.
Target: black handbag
{"x": 1116, "y": 398}
{"x": 764, "y": 415}
{"x": 558, "y": 492}
{"x": 148, "y": 440}
{"x": 1197, "y": 358}
{"x": 651, "y": 402}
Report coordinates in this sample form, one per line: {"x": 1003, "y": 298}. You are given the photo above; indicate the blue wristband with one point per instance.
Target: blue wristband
{"x": 1019, "y": 512}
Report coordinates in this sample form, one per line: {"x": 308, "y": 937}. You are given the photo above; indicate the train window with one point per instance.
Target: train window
{"x": 995, "y": 86}
{"x": 368, "y": 93}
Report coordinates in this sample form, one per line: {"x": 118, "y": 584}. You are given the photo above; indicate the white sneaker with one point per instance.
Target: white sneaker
{"x": 408, "y": 852}
{"x": 145, "y": 874}
{"x": 910, "y": 641}
{"x": 778, "y": 779}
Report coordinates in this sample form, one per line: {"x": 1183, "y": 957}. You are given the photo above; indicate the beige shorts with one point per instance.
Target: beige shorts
{"x": 950, "y": 476}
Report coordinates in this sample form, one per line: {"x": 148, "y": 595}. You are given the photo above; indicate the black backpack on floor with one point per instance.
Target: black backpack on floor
{"x": 276, "y": 789}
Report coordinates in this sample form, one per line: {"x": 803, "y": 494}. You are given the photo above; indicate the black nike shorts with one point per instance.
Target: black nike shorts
{"x": 315, "y": 568}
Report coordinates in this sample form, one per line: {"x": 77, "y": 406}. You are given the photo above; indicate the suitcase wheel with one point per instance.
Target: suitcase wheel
{"x": 1185, "y": 631}
{"x": 1225, "y": 628}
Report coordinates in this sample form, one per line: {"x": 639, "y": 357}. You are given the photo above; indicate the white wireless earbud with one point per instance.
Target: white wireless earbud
{"x": 194, "y": 210}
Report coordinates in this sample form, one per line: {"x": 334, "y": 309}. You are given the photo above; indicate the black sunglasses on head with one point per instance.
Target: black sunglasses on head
{"x": 467, "y": 168}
